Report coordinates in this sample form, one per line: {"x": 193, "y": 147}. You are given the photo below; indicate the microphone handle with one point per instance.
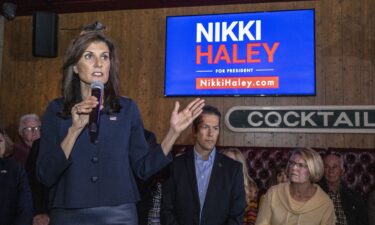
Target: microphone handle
{"x": 94, "y": 118}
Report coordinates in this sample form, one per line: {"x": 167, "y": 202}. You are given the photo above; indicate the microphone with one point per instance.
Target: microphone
{"x": 94, "y": 118}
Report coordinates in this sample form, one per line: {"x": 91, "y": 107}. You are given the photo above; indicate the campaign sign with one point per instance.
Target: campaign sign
{"x": 260, "y": 53}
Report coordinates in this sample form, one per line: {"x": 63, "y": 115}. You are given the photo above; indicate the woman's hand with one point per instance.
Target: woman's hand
{"x": 41, "y": 219}
{"x": 181, "y": 120}
{"x": 80, "y": 118}
{"x": 81, "y": 112}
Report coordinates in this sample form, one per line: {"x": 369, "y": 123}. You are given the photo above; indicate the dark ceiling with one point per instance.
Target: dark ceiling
{"x": 27, "y": 7}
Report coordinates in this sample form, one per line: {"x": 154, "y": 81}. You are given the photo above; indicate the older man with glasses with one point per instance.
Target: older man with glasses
{"x": 29, "y": 131}
{"x": 350, "y": 207}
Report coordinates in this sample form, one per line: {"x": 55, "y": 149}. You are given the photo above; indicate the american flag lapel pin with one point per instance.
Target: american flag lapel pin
{"x": 3, "y": 171}
{"x": 112, "y": 117}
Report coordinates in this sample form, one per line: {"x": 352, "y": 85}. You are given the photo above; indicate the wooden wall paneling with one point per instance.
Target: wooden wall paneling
{"x": 142, "y": 57}
{"x": 370, "y": 16}
{"x": 16, "y": 91}
{"x": 316, "y": 140}
{"x": 320, "y": 97}
{"x": 353, "y": 44}
{"x": 354, "y": 61}
{"x": 285, "y": 139}
{"x": 160, "y": 107}
{"x": 156, "y": 72}
{"x": 264, "y": 139}
{"x": 2, "y": 21}
{"x": 367, "y": 63}
{"x": 333, "y": 63}
{"x": 368, "y": 54}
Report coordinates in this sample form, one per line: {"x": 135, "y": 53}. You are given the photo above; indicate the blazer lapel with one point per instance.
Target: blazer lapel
{"x": 190, "y": 165}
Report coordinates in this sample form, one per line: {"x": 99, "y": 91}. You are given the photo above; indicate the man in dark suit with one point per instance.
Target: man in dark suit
{"x": 204, "y": 187}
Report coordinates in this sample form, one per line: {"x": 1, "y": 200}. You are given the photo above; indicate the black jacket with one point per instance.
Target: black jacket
{"x": 15, "y": 196}
{"x": 353, "y": 204}
{"x": 225, "y": 199}
{"x": 38, "y": 190}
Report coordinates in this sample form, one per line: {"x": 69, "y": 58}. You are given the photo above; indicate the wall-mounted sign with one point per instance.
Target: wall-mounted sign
{"x": 235, "y": 54}
{"x": 302, "y": 119}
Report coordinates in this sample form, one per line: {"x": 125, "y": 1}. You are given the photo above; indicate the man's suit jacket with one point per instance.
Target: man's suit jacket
{"x": 225, "y": 199}
{"x": 354, "y": 206}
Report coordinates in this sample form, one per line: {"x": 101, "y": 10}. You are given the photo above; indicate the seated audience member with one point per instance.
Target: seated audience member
{"x": 251, "y": 188}
{"x": 38, "y": 190}
{"x": 299, "y": 201}
{"x": 371, "y": 207}
{"x": 15, "y": 196}
{"x": 153, "y": 215}
{"x": 279, "y": 175}
{"x": 204, "y": 186}
{"x": 350, "y": 207}
{"x": 148, "y": 207}
{"x": 29, "y": 131}
{"x": 252, "y": 207}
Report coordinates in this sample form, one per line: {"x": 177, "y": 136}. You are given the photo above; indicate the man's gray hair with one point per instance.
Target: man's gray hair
{"x": 26, "y": 117}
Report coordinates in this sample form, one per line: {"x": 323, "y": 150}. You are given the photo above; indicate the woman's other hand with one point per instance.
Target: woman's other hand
{"x": 81, "y": 112}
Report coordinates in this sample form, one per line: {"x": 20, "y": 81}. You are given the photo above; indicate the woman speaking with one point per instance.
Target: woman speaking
{"x": 91, "y": 179}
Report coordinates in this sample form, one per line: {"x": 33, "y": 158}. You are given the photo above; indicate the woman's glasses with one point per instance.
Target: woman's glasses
{"x": 299, "y": 165}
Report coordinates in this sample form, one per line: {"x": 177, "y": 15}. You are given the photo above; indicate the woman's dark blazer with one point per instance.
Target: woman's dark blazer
{"x": 96, "y": 174}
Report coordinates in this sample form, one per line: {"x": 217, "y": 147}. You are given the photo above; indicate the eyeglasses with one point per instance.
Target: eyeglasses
{"x": 299, "y": 165}
{"x": 31, "y": 129}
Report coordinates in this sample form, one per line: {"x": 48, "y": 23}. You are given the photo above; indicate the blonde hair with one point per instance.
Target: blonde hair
{"x": 314, "y": 162}
{"x": 248, "y": 181}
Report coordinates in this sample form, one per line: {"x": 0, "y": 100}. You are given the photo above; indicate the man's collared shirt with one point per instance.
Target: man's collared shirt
{"x": 340, "y": 215}
{"x": 203, "y": 170}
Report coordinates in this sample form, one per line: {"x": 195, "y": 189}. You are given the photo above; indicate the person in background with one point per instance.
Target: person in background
{"x": 350, "y": 207}
{"x": 153, "y": 215}
{"x": 38, "y": 190}
{"x": 150, "y": 191}
{"x": 29, "y": 131}
{"x": 251, "y": 211}
{"x": 299, "y": 201}
{"x": 251, "y": 188}
{"x": 371, "y": 207}
{"x": 204, "y": 186}
{"x": 279, "y": 175}
{"x": 15, "y": 196}
{"x": 91, "y": 175}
